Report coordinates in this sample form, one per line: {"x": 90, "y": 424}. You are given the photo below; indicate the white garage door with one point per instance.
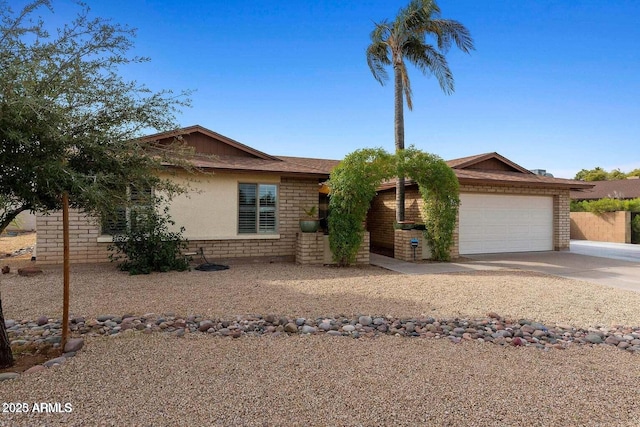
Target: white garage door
{"x": 492, "y": 223}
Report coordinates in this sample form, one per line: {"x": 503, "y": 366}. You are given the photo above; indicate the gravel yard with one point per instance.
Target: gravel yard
{"x": 322, "y": 380}
{"x": 289, "y": 289}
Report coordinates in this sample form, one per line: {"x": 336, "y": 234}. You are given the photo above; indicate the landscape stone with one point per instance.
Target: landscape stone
{"x": 306, "y": 329}
{"x": 365, "y": 320}
{"x": 34, "y": 369}
{"x": 205, "y": 325}
{"x": 29, "y": 271}
{"x": 291, "y": 328}
{"x": 57, "y": 361}
{"x": 9, "y": 376}
{"x": 594, "y": 338}
{"x": 73, "y": 345}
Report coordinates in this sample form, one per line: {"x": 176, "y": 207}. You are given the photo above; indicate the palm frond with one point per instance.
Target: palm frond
{"x": 429, "y": 60}
{"x": 447, "y": 31}
{"x": 378, "y": 52}
{"x": 417, "y": 15}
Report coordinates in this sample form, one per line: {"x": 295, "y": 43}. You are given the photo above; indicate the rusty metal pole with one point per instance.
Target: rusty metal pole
{"x": 65, "y": 239}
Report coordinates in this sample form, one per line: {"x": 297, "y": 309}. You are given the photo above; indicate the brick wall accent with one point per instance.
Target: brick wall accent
{"x": 295, "y": 194}
{"x": 382, "y": 213}
{"x": 83, "y": 239}
{"x": 606, "y": 227}
{"x": 313, "y": 248}
{"x": 402, "y": 242}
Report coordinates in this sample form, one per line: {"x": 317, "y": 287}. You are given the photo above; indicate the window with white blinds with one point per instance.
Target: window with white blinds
{"x": 257, "y": 208}
{"x": 124, "y": 217}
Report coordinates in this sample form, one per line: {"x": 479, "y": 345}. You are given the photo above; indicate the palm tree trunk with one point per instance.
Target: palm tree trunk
{"x": 6, "y": 356}
{"x": 399, "y": 137}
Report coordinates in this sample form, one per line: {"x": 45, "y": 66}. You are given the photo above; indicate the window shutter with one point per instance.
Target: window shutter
{"x": 247, "y": 218}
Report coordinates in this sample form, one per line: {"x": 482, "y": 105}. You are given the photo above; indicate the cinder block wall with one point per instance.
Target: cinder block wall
{"x": 403, "y": 249}
{"x": 606, "y": 227}
{"x": 295, "y": 194}
{"x": 83, "y": 239}
{"x": 313, "y": 248}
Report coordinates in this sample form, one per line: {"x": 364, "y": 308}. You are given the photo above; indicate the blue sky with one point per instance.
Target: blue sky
{"x": 551, "y": 85}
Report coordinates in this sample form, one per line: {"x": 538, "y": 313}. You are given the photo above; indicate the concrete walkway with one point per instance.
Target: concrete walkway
{"x": 604, "y": 271}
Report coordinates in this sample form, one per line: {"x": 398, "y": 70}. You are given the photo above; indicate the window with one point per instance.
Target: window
{"x": 257, "y": 208}
{"x": 117, "y": 224}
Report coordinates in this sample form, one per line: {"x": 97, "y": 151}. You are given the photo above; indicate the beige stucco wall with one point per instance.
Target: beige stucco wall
{"x": 606, "y": 227}
{"x": 25, "y": 221}
{"x": 210, "y": 219}
{"x": 211, "y": 210}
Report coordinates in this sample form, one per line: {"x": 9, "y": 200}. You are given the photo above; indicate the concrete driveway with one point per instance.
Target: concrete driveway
{"x": 591, "y": 262}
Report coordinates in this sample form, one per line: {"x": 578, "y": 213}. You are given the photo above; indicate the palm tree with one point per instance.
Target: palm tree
{"x": 405, "y": 38}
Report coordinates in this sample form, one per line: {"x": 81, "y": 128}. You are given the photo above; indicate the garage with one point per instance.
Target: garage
{"x": 493, "y": 223}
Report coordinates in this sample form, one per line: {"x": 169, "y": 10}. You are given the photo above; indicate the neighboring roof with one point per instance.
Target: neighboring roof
{"x": 494, "y": 169}
{"x": 618, "y": 189}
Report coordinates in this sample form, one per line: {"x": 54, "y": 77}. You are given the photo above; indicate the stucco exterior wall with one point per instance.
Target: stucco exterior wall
{"x": 606, "y": 227}
{"x": 210, "y": 217}
{"x": 210, "y": 211}
{"x": 25, "y": 221}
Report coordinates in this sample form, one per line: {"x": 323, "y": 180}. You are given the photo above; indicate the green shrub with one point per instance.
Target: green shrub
{"x": 353, "y": 185}
{"x": 439, "y": 189}
{"x": 605, "y": 205}
{"x": 147, "y": 244}
{"x": 635, "y": 229}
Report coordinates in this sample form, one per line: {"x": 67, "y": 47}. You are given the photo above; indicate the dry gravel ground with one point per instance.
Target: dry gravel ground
{"x": 294, "y": 290}
{"x": 322, "y": 380}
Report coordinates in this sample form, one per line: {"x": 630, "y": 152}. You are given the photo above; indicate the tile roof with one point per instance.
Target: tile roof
{"x": 621, "y": 189}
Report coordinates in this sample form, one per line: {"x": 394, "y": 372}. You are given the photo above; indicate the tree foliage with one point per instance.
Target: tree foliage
{"x": 69, "y": 121}
{"x": 406, "y": 39}
{"x": 439, "y": 189}
{"x": 148, "y": 244}
{"x": 599, "y": 174}
{"x": 605, "y": 205}
{"x": 353, "y": 185}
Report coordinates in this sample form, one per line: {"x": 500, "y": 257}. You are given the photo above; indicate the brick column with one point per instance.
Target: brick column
{"x": 402, "y": 245}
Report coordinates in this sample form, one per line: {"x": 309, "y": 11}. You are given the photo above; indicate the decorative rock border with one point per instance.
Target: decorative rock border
{"x": 491, "y": 329}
